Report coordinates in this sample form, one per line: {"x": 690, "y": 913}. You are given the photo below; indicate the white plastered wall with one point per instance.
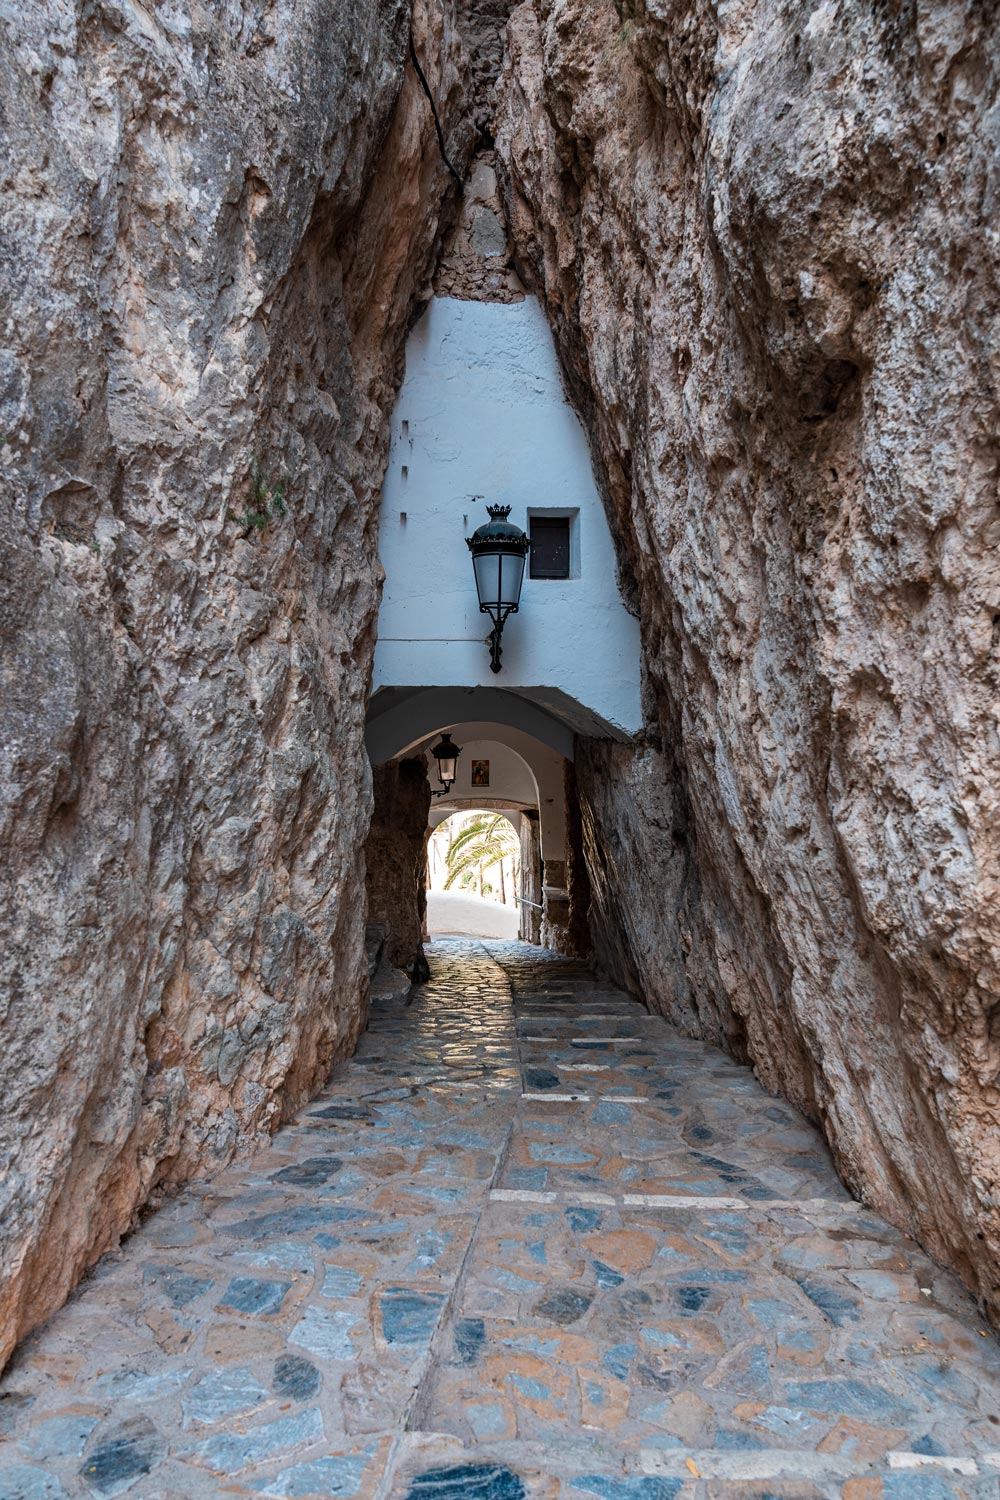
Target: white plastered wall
{"x": 522, "y": 764}
{"x": 482, "y": 412}
{"x": 511, "y": 783}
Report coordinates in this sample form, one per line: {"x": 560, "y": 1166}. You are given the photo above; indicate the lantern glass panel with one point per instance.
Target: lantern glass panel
{"x": 447, "y": 769}
{"x": 511, "y": 577}
{"x": 487, "y": 567}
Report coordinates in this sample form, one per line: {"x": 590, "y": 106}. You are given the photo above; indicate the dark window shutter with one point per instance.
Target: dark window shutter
{"x": 549, "y": 547}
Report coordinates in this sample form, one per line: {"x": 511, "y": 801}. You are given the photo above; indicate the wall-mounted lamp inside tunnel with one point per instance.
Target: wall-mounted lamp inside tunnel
{"x": 498, "y": 553}
{"x": 446, "y": 753}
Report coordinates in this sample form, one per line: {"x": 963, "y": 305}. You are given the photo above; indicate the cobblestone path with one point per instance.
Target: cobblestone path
{"x": 528, "y": 1246}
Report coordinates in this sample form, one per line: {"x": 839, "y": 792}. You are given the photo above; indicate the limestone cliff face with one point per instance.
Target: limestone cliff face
{"x": 396, "y": 857}
{"x": 765, "y": 234}
{"x": 216, "y": 221}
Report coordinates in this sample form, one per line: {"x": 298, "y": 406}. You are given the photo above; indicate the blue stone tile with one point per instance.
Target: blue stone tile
{"x": 530, "y": 1179}
{"x": 409, "y": 1317}
{"x": 122, "y": 1454}
{"x": 851, "y": 1397}
{"x": 60, "y": 1437}
{"x": 798, "y": 1338}
{"x": 341, "y": 1281}
{"x": 223, "y": 1393}
{"x": 486, "y": 1420}
{"x": 606, "y": 1275}
{"x": 532, "y": 1343}
{"x": 140, "y": 1385}
{"x": 341, "y": 1112}
{"x": 839, "y": 1308}
{"x": 617, "y": 1360}
{"x": 287, "y": 1255}
{"x": 611, "y": 1114}
{"x": 562, "y": 1306}
{"x": 295, "y": 1377}
{"x": 470, "y": 1336}
{"x": 245, "y": 1294}
{"x": 663, "y": 1338}
{"x": 179, "y": 1287}
{"x": 229, "y": 1452}
{"x": 325, "y": 1333}
{"x": 468, "y": 1482}
{"x": 584, "y": 1220}
{"x": 287, "y": 1221}
{"x": 311, "y": 1172}
{"x": 917, "y": 1487}
{"x": 738, "y": 1442}
{"x": 725, "y": 1170}
{"x": 636, "y": 1487}
{"x": 26, "y": 1482}
{"x": 536, "y": 1390}
{"x": 759, "y": 1370}
{"x": 471, "y": 1140}
{"x": 553, "y": 1154}
{"x": 336, "y": 1475}
{"x": 712, "y": 1276}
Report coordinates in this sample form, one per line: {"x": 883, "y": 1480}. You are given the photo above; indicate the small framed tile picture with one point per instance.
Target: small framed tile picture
{"x": 480, "y": 773}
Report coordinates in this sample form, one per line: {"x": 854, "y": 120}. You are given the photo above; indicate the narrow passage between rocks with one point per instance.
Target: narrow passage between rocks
{"x": 529, "y": 1241}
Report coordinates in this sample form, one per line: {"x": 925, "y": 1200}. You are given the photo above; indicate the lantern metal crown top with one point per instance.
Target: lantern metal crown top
{"x": 498, "y": 553}
{"x": 497, "y": 534}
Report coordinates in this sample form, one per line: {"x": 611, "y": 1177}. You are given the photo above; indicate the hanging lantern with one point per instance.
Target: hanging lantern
{"x": 446, "y": 753}
{"x": 498, "y": 553}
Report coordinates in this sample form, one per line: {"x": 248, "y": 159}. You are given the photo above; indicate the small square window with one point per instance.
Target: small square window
{"x": 549, "y": 547}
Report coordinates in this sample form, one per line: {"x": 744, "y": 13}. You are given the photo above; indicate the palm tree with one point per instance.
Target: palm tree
{"x": 487, "y": 840}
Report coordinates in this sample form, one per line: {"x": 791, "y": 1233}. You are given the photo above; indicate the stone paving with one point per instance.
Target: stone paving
{"x": 528, "y": 1242}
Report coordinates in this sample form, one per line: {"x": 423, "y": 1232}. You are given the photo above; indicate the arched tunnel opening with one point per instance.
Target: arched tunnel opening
{"x": 480, "y": 875}
{"x": 518, "y": 759}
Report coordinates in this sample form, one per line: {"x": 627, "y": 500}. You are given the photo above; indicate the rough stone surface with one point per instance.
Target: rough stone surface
{"x": 564, "y": 1245}
{"x": 216, "y": 224}
{"x": 396, "y": 857}
{"x": 475, "y": 262}
{"x": 569, "y": 1253}
{"x": 765, "y": 237}
{"x": 647, "y": 912}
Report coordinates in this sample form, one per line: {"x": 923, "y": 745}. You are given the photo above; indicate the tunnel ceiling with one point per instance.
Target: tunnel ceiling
{"x": 399, "y": 718}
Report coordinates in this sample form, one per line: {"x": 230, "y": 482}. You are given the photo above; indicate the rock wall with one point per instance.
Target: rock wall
{"x": 396, "y": 857}
{"x": 765, "y": 237}
{"x": 652, "y": 926}
{"x": 216, "y": 223}
{"x": 579, "y": 941}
